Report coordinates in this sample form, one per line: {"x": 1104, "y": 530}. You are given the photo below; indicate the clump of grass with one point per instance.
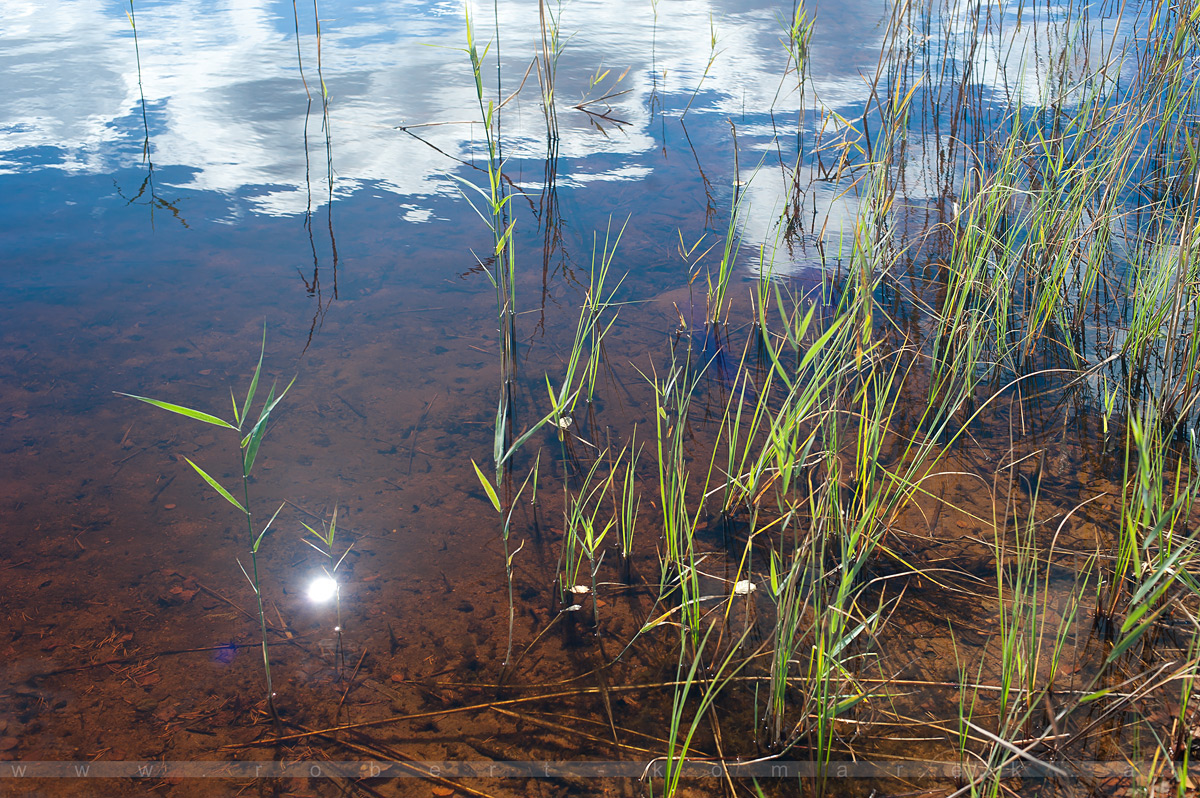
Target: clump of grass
{"x": 815, "y": 455}
{"x": 586, "y": 531}
{"x": 693, "y": 677}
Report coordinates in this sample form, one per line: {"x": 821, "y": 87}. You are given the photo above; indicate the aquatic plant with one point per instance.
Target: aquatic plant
{"x": 505, "y": 532}
{"x": 550, "y": 25}
{"x": 718, "y": 284}
{"x": 327, "y": 536}
{"x": 585, "y": 534}
{"x": 249, "y": 444}
{"x": 502, "y": 258}
{"x": 692, "y": 678}
{"x": 1011, "y": 261}
{"x": 629, "y": 502}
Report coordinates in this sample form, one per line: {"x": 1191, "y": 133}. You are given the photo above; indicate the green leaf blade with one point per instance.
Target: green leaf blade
{"x": 487, "y": 486}
{"x": 254, "y": 380}
{"x": 216, "y": 486}
{"x": 260, "y": 425}
{"x": 252, "y": 445}
{"x": 181, "y": 410}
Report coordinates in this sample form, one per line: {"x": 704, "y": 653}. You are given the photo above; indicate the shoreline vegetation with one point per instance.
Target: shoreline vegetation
{"x": 1058, "y": 265}
{"x": 853, "y": 493}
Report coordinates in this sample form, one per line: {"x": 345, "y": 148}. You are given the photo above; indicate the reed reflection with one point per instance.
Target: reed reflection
{"x": 146, "y": 193}
{"x": 313, "y": 285}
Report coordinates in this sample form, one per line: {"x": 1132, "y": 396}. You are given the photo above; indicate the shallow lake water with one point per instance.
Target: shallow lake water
{"x": 182, "y": 180}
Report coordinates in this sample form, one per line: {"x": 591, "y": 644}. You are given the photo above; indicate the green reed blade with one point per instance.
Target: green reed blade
{"x": 266, "y": 529}
{"x": 1135, "y": 634}
{"x": 250, "y": 579}
{"x": 252, "y": 449}
{"x": 237, "y": 418}
{"x": 216, "y": 485}
{"x": 274, "y": 515}
{"x": 181, "y": 410}
{"x": 498, "y": 438}
{"x": 530, "y": 432}
{"x": 487, "y": 486}
{"x": 272, "y": 400}
{"x": 252, "y": 441}
{"x": 254, "y": 379}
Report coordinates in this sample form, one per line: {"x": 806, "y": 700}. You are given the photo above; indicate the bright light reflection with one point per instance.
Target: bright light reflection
{"x": 322, "y": 589}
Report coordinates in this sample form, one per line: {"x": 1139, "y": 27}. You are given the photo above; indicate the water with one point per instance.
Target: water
{"x": 165, "y": 199}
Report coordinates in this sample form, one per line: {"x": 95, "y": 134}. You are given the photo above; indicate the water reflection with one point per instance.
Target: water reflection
{"x": 146, "y": 189}
{"x": 229, "y": 99}
{"x": 313, "y": 285}
{"x": 271, "y": 115}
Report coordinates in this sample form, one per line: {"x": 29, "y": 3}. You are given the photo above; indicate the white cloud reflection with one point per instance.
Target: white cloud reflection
{"x": 226, "y": 101}
{"x": 227, "y": 105}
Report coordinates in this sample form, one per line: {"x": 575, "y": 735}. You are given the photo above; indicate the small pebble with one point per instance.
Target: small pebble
{"x": 8, "y": 743}
{"x": 169, "y": 506}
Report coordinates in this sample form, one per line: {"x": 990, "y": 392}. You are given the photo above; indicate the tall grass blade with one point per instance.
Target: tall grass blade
{"x": 254, "y": 379}
{"x": 217, "y": 486}
{"x": 181, "y": 410}
{"x": 487, "y": 486}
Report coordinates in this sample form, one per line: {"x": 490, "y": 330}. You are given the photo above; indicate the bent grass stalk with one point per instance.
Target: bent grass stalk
{"x": 713, "y": 52}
